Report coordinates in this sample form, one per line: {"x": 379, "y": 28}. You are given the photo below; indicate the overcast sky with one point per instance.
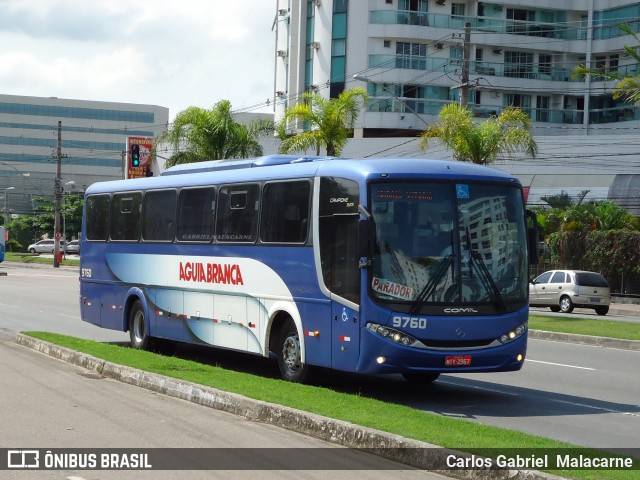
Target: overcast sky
{"x": 172, "y": 53}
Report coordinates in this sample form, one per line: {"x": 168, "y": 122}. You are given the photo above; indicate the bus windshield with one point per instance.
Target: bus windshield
{"x": 449, "y": 244}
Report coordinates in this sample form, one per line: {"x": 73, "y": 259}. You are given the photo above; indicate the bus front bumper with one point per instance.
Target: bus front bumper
{"x": 382, "y": 356}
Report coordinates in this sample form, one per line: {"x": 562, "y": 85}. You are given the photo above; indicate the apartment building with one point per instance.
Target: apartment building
{"x": 410, "y": 55}
{"x": 93, "y": 138}
{"x": 414, "y": 56}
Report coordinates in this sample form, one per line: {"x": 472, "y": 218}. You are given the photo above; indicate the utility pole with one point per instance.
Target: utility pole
{"x": 58, "y": 199}
{"x": 466, "y": 53}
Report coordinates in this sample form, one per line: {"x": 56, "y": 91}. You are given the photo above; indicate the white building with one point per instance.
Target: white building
{"x": 410, "y": 55}
{"x": 93, "y": 139}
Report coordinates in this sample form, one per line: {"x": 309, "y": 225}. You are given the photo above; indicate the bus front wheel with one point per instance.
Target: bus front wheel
{"x": 289, "y": 358}
{"x": 138, "y": 334}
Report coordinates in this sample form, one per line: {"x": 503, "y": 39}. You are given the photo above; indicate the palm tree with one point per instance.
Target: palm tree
{"x": 481, "y": 142}
{"x": 198, "y": 135}
{"x": 627, "y": 88}
{"x": 330, "y": 121}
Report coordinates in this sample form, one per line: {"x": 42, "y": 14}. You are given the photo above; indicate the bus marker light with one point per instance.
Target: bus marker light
{"x": 344, "y": 339}
{"x": 252, "y": 325}
{"x": 312, "y": 334}
{"x": 381, "y": 360}
{"x": 520, "y": 357}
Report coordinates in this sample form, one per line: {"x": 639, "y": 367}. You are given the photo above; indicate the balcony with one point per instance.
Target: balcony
{"x": 483, "y": 24}
{"x": 539, "y": 115}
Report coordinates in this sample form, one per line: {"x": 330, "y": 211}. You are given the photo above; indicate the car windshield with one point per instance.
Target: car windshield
{"x": 445, "y": 243}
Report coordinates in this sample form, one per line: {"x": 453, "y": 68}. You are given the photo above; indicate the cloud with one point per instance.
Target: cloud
{"x": 162, "y": 52}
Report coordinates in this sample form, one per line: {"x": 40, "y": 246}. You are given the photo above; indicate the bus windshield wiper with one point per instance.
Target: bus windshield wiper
{"x": 431, "y": 284}
{"x": 485, "y": 275}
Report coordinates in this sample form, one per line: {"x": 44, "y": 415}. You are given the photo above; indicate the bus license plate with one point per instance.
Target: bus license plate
{"x": 457, "y": 360}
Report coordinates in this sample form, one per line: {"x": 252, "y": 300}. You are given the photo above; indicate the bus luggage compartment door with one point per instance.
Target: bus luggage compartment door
{"x": 345, "y": 337}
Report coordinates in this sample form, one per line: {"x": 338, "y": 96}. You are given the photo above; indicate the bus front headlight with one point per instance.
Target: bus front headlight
{"x": 511, "y": 335}
{"x": 392, "y": 334}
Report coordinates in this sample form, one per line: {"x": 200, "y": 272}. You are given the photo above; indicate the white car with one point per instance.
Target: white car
{"x": 44, "y": 246}
{"x": 564, "y": 290}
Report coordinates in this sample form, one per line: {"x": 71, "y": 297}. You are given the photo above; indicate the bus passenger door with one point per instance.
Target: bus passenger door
{"x": 342, "y": 278}
{"x": 338, "y": 218}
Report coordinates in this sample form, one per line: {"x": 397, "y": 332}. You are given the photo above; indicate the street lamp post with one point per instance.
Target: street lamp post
{"x": 6, "y": 208}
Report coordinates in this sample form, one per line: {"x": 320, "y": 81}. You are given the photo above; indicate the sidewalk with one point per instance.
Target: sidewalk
{"x": 629, "y": 309}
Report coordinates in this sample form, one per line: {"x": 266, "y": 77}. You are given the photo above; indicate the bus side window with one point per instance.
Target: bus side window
{"x": 97, "y": 227}
{"x": 285, "y": 212}
{"x": 196, "y": 210}
{"x": 237, "y": 216}
{"x": 126, "y": 209}
{"x": 159, "y": 215}
{"x": 338, "y": 233}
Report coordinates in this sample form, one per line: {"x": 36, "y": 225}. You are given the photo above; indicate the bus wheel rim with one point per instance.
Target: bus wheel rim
{"x": 291, "y": 352}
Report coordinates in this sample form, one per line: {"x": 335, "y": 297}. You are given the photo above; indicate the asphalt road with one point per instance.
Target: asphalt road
{"x": 584, "y": 395}
{"x": 50, "y": 404}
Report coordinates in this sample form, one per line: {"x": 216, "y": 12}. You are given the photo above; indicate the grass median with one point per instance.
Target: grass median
{"x": 31, "y": 258}
{"x": 355, "y": 408}
{"x": 585, "y": 326}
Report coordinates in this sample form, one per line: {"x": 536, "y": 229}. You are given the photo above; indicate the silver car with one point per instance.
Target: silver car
{"x": 564, "y": 290}
{"x": 44, "y": 246}
{"x": 73, "y": 247}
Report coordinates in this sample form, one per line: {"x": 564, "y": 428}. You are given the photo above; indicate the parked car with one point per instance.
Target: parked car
{"x": 564, "y": 290}
{"x": 44, "y": 246}
{"x": 72, "y": 247}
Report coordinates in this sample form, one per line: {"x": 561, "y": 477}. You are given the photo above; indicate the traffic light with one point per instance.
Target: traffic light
{"x": 135, "y": 155}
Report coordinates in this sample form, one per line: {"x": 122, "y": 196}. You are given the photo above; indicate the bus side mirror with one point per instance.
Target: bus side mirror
{"x": 365, "y": 238}
{"x": 534, "y": 242}
{"x": 533, "y": 239}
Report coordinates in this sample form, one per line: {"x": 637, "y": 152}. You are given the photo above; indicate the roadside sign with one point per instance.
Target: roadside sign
{"x": 139, "y": 158}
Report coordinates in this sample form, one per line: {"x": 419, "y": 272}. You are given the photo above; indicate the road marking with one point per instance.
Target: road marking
{"x": 560, "y": 364}
{"x": 484, "y": 389}
{"x": 7, "y": 305}
{"x": 43, "y": 275}
{"x": 602, "y": 409}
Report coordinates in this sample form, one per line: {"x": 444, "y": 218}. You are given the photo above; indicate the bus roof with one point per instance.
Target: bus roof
{"x": 274, "y": 167}
{"x": 219, "y": 165}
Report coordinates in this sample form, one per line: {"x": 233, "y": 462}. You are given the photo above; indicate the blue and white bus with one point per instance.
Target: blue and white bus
{"x": 401, "y": 266}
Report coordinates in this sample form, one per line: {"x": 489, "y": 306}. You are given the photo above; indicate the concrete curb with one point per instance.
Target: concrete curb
{"x": 586, "y": 340}
{"x": 413, "y": 453}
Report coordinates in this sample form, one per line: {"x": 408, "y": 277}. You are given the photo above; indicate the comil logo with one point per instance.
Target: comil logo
{"x": 23, "y": 459}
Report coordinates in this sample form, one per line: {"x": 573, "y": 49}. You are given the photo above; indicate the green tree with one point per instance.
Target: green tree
{"x": 627, "y": 88}
{"x": 482, "y": 142}
{"x": 330, "y": 121}
{"x": 197, "y": 135}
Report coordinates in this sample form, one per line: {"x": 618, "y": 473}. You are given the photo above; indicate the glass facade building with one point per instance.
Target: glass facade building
{"x": 93, "y": 140}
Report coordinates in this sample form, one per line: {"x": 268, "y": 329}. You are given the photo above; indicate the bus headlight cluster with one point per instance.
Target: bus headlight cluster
{"x": 511, "y": 335}
{"x": 392, "y": 334}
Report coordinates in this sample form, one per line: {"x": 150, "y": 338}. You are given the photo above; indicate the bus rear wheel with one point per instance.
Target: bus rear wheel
{"x": 138, "y": 333}
{"x": 289, "y": 358}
